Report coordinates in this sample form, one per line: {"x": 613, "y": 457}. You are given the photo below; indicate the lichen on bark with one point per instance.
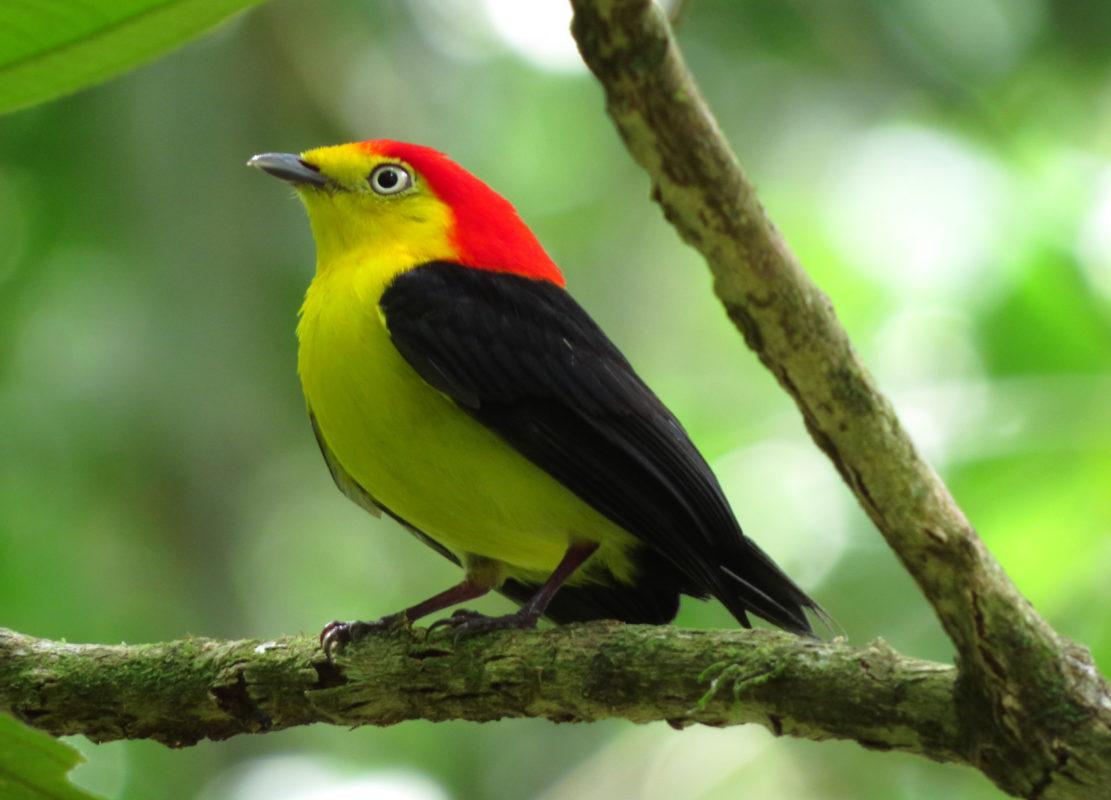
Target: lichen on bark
{"x": 181, "y": 692}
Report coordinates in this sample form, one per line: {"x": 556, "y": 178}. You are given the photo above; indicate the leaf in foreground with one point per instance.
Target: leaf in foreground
{"x": 49, "y": 48}
{"x": 33, "y": 765}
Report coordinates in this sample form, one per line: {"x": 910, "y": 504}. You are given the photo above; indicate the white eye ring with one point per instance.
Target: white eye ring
{"x": 390, "y": 179}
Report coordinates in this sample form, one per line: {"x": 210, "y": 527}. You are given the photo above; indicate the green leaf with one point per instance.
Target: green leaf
{"x": 49, "y": 48}
{"x": 33, "y": 765}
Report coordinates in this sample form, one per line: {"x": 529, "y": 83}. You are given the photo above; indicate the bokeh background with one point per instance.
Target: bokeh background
{"x": 943, "y": 168}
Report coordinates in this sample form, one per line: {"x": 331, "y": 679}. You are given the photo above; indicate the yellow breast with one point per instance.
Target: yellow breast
{"x": 416, "y": 452}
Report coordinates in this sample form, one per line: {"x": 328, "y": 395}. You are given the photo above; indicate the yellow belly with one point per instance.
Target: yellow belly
{"x": 413, "y": 450}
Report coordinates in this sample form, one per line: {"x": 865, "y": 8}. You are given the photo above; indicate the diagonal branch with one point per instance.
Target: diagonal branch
{"x": 181, "y": 692}
{"x": 1016, "y": 672}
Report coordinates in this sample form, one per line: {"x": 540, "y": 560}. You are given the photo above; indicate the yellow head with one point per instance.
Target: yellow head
{"x": 408, "y": 204}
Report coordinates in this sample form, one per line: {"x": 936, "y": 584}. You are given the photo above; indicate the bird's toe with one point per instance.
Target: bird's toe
{"x": 337, "y": 634}
{"x": 465, "y": 623}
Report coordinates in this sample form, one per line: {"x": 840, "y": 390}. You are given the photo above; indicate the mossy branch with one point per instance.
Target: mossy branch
{"x": 181, "y": 692}
{"x": 1037, "y": 703}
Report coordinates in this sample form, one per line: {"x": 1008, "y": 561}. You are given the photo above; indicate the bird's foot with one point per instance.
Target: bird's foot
{"x": 467, "y": 623}
{"x": 337, "y": 634}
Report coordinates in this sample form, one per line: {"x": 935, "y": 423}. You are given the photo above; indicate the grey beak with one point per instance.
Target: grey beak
{"x": 288, "y": 167}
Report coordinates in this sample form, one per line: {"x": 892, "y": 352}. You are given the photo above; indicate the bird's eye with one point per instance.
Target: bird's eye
{"x": 390, "y": 179}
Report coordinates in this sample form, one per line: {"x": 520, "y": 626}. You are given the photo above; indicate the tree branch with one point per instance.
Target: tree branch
{"x": 181, "y": 692}
{"x": 1034, "y": 702}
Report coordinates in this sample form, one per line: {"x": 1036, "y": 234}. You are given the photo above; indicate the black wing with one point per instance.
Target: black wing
{"x": 527, "y": 361}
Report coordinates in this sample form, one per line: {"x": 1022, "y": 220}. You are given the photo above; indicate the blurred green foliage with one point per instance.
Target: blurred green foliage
{"x": 942, "y": 168}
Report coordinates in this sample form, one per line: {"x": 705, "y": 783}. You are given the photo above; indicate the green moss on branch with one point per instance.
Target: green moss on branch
{"x": 181, "y": 692}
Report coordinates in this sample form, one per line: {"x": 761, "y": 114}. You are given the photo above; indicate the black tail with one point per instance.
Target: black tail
{"x": 750, "y": 582}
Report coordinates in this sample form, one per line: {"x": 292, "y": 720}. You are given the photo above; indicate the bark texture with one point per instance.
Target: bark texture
{"x": 181, "y": 692}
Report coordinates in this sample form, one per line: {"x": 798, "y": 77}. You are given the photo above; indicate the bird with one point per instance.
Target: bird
{"x": 454, "y": 384}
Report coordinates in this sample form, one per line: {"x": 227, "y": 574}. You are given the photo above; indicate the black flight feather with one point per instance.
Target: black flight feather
{"x": 525, "y": 360}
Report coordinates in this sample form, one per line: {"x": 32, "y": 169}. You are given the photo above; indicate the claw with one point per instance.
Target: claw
{"x": 332, "y": 634}
{"x": 337, "y": 634}
{"x": 458, "y": 617}
{"x": 471, "y": 623}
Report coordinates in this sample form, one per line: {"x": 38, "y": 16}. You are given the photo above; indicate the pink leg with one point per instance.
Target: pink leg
{"x": 467, "y": 623}
{"x": 338, "y": 633}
